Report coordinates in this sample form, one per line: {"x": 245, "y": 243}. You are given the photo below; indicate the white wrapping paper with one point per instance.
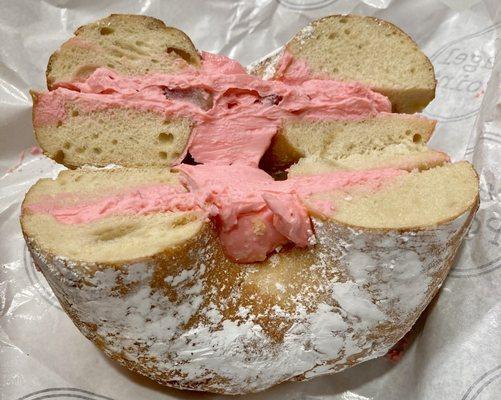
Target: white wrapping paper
{"x": 457, "y": 352}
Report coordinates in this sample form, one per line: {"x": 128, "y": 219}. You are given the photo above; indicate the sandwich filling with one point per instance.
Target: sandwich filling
{"x": 254, "y": 213}
{"x": 235, "y": 114}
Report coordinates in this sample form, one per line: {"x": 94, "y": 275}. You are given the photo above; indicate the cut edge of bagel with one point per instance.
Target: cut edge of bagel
{"x": 126, "y": 43}
{"x": 413, "y": 201}
{"x": 122, "y": 136}
{"x": 361, "y": 49}
{"x": 386, "y": 140}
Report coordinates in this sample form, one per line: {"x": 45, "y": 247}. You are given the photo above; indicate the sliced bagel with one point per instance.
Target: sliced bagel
{"x": 155, "y": 291}
{"x": 362, "y": 49}
{"x": 387, "y": 140}
{"x": 109, "y": 237}
{"x": 138, "y": 135}
{"x": 122, "y": 136}
{"x": 127, "y": 44}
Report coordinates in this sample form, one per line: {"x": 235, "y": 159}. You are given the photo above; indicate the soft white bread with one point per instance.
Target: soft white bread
{"x": 122, "y": 136}
{"x": 127, "y": 44}
{"x": 156, "y": 292}
{"x": 138, "y": 45}
{"x": 113, "y": 239}
{"x": 387, "y": 140}
{"x": 367, "y": 50}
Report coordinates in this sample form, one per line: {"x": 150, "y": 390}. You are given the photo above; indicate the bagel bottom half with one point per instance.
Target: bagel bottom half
{"x": 156, "y": 292}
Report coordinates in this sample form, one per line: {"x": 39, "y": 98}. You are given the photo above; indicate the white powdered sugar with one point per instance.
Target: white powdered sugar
{"x": 354, "y": 301}
{"x": 305, "y": 33}
{"x": 179, "y": 334}
{"x": 270, "y": 63}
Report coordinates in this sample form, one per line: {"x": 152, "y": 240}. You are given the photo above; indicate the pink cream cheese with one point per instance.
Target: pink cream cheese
{"x": 141, "y": 200}
{"x": 236, "y": 114}
{"x": 254, "y": 213}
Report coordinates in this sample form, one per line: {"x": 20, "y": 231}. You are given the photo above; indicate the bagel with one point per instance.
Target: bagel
{"x": 362, "y": 49}
{"x": 206, "y": 273}
{"x": 128, "y": 44}
{"x": 191, "y": 102}
{"x": 155, "y": 291}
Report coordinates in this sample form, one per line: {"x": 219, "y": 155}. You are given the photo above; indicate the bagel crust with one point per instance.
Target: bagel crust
{"x": 191, "y": 319}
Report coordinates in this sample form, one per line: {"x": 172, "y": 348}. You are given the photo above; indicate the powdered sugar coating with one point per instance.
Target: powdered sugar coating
{"x": 365, "y": 291}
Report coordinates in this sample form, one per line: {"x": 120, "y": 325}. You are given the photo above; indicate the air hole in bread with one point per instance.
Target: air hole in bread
{"x": 116, "y": 53}
{"x": 175, "y": 155}
{"x": 347, "y": 31}
{"x": 95, "y": 135}
{"x": 59, "y": 156}
{"x": 115, "y": 232}
{"x": 97, "y": 150}
{"x": 140, "y": 43}
{"x": 74, "y": 113}
{"x": 180, "y": 53}
{"x": 85, "y": 71}
{"x": 413, "y": 70}
{"x": 408, "y": 132}
{"x": 343, "y": 21}
{"x": 110, "y": 65}
{"x": 66, "y": 145}
{"x": 162, "y": 155}
{"x": 166, "y": 138}
{"x": 154, "y": 61}
{"x": 59, "y": 124}
{"x": 333, "y": 35}
{"x": 106, "y": 31}
{"x": 81, "y": 149}
{"x": 417, "y": 138}
{"x": 114, "y": 141}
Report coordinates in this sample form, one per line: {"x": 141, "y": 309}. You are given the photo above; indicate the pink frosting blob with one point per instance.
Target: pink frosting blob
{"x": 235, "y": 114}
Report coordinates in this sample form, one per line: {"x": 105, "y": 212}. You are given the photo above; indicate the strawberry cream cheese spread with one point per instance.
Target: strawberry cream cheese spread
{"x": 254, "y": 213}
{"x": 235, "y": 114}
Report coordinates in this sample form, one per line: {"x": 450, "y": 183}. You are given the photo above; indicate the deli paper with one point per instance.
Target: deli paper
{"x": 456, "y": 353}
